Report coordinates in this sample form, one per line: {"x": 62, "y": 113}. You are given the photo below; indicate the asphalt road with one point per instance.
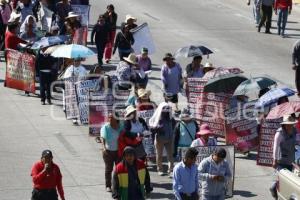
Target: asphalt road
{"x": 224, "y": 26}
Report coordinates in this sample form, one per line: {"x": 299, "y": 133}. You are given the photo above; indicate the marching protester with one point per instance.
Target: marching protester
{"x": 283, "y": 8}
{"x": 130, "y": 21}
{"x": 256, "y": 11}
{"x": 62, "y": 9}
{"x": 162, "y": 124}
{"x": 296, "y": 64}
{"x": 47, "y": 179}
{"x": 12, "y": 40}
{"x": 214, "y": 173}
{"x": 143, "y": 102}
{"x": 143, "y": 60}
{"x": 284, "y": 148}
{"x": 171, "y": 76}
{"x": 5, "y": 12}
{"x": 185, "y": 131}
{"x": 185, "y": 177}
{"x": 131, "y": 179}
{"x": 28, "y": 29}
{"x": 266, "y": 18}
{"x": 111, "y": 18}
{"x": 109, "y": 135}
{"x": 101, "y": 34}
{"x": 123, "y": 42}
{"x": 204, "y": 137}
{"x": 72, "y": 24}
{"x": 125, "y": 72}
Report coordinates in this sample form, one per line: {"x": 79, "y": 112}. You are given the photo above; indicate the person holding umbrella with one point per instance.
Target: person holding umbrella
{"x": 195, "y": 69}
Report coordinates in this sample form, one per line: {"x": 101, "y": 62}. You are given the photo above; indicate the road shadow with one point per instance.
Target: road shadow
{"x": 248, "y": 156}
{"x": 155, "y": 195}
{"x": 166, "y": 186}
{"x": 243, "y": 193}
{"x": 154, "y": 78}
{"x": 295, "y": 36}
{"x": 288, "y": 22}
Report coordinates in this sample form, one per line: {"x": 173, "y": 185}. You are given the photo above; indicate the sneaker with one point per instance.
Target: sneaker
{"x": 258, "y": 29}
{"x": 268, "y": 32}
{"x": 108, "y": 189}
{"x": 161, "y": 173}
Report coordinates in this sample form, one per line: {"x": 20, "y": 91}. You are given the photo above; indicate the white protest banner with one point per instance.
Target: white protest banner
{"x": 146, "y": 114}
{"x": 71, "y": 103}
{"x": 143, "y": 38}
{"x": 206, "y": 151}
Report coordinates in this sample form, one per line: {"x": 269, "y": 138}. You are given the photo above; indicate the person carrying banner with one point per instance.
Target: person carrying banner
{"x": 185, "y": 181}
{"x": 47, "y": 179}
{"x": 111, "y": 18}
{"x": 131, "y": 179}
{"x": 130, "y": 21}
{"x": 123, "y": 42}
{"x": 162, "y": 125}
{"x": 12, "y": 40}
{"x": 185, "y": 131}
{"x": 101, "y": 34}
{"x": 214, "y": 173}
{"x": 284, "y": 148}
{"x": 109, "y": 134}
{"x": 203, "y": 137}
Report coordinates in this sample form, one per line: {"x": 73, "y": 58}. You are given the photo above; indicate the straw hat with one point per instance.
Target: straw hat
{"x": 168, "y": 56}
{"x": 288, "y": 120}
{"x": 128, "y": 17}
{"x": 14, "y": 17}
{"x": 208, "y": 65}
{"x": 204, "y": 130}
{"x": 130, "y": 109}
{"x": 72, "y": 14}
{"x": 131, "y": 59}
{"x": 142, "y": 92}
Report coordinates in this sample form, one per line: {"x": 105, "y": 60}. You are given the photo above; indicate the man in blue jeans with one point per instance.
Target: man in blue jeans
{"x": 283, "y": 8}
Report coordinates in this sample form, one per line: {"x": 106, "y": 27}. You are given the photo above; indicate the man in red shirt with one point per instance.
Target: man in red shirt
{"x": 46, "y": 179}
{"x": 283, "y": 8}
{"x": 11, "y": 38}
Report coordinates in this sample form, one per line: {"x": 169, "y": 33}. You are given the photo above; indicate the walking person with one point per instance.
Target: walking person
{"x": 283, "y": 8}
{"x": 284, "y": 148}
{"x": 256, "y": 11}
{"x": 111, "y": 18}
{"x": 204, "y": 137}
{"x": 109, "y": 134}
{"x": 171, "y": 76}
{"x": 124, "y": 41}
{"x": 266, "y": 18}
{"x": 125, "y": 72}
{"x": 214, "y": 173}
{"x": 47, "y": 179}
{"x": 185, "y": 181}
{"x": 162, "y": 124}
{"x": 144, "y": 61}
{"x": 5, "y": 12}
{"x": 101, "y": 34}
{"x": 296, "y": 64}
{"x": 131, "y": 179}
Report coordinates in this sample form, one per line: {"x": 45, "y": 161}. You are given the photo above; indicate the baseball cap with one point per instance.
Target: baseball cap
{"x": 46, "y": 153}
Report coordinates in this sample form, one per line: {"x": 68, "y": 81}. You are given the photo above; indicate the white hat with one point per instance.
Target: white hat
{"x": 131, "y": 59}
{"x": 142, "y": 92}
{"x": 128, "y": 17}
{"x": 208, "y": 65}
{"x": 14, "y": 17}
{"x": 288, "y": 120}
{"x": 72, "y": 14}
{"x": 130, "y": 109}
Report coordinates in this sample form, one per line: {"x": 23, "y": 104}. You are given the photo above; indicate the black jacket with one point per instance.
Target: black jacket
{"x": 111, "y": 23}
{"x": 101, "y": 34}
{"x": 123, "y": 42}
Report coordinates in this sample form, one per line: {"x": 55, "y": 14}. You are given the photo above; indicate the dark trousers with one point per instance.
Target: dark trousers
{"x": 123, "y": 54}
{"x": 266, "y": 16}
{"x": 100, "y": 50}
{"x": 297, "y": 78}
{"x": 2, "y": 36}
{"x": 45, "y": 85}
{"x": 50, "y": 194}
{"x": 110, "y": 158}
{"x": 193, "y": 196}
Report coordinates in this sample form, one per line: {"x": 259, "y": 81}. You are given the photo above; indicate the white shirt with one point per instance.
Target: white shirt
{"x": 79, "y": 72}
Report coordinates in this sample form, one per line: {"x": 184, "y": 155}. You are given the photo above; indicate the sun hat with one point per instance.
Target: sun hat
{"x": 72, "y": 14}
{"x": 131, "y": 59}
{"x": 130, "y": 109}
{"x": 142, "y": 92}
{"x": 204, "y": 130}
{"x": 2, "y": 2}
{"x": 128, "y": 17}
{"x": 14, "y": 17}
{"x": 288, "y": 120}
{"x": 168, "y": 56}
{"x": 208, "y": 65}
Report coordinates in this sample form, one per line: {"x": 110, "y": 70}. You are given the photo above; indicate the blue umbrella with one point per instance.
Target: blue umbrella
{"x": 72, "y": 51}
{"x": 49, "y": 41}
{"x": 191, "y": 51}
{"x": 272, "y": 96}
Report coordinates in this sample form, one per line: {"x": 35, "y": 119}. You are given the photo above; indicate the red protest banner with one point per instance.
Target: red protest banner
{"x": 241, "y": 127}
{"x": 265, "y": 149}
{"x": 20, "y": 71}
{"x": 208, "y": 107}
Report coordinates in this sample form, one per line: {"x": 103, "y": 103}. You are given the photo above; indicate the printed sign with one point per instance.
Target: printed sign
{"x": 267, "y": 133}
{"x": 71, "y": 102}
{"x": 241, "y": 127}
{"x": 20, "y": 71}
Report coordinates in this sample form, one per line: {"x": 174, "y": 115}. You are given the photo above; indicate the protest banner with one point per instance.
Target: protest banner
{"x": 207, "y": 107}
{"x": 265, "y": 150}
{"x": 146, "y": 114}
{"x": 71, "y": 102}
{"x": 81, "y": 34}
{"x": 241, "y": 127}
{"x": 20, "y": 71}
{"x": 206, "y": 151}
{"x": 143, "y": 38}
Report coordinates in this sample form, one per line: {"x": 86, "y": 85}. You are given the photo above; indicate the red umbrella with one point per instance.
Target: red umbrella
{"x": 284, "y": 109}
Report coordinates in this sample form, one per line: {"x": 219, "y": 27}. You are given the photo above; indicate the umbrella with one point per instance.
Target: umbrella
{"x": 51, "y": 49}
{"x": 272, "y": 96}
{"x": 225, "y": 83}
{"x": 49, "y": 41}
{"x": 221, "y": 71}
{"x": 72, "y": 51}
{"x": 286, "y": 108}
{"x": 253, "y": 84}
{"x": 191, "y": 51}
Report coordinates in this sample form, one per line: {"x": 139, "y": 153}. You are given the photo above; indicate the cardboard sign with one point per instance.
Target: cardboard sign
{"x": 143, "y": 38}
{"x": 208, "y": 107}
{"x": 206, "y": 151}
{"x": 71, "y": 102}
{"x": 267, "y": 132}
{"x": 241, "y": 127}
{"x": 20, "y": 71}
